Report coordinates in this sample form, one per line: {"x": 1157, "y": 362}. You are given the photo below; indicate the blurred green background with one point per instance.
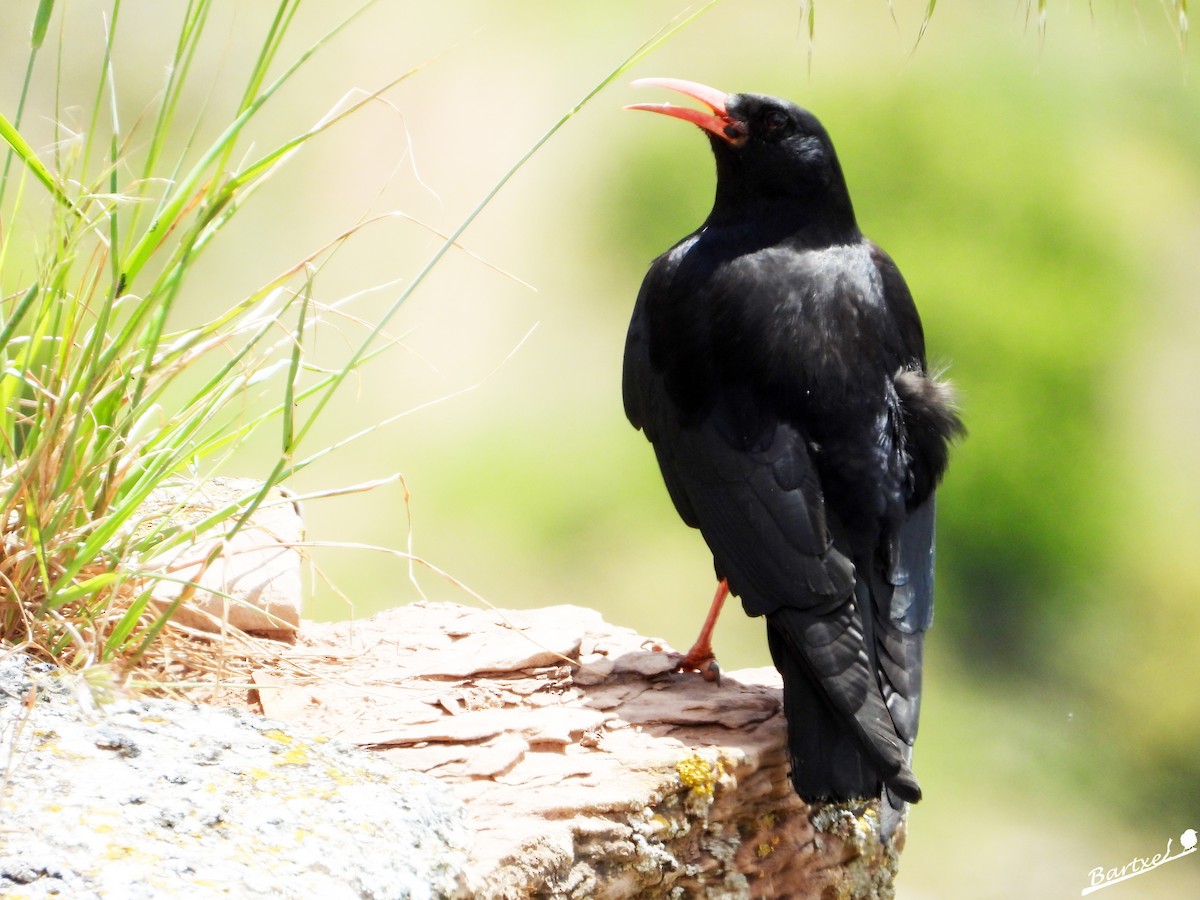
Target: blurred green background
{"x": 1041, "y": 193}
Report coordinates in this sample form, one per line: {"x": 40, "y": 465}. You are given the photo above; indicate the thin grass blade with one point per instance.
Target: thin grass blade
{"x": 26, "y": 154}
{"x": 41, "y": 21}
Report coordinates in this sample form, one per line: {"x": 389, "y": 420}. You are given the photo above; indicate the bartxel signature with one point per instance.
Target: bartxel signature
{"x": 1140, "y": 865}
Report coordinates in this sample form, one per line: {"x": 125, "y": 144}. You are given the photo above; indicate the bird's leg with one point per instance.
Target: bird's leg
{"x": 701, "y": 658}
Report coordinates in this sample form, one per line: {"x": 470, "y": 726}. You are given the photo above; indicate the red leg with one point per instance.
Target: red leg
{"x": 701, "y": 658}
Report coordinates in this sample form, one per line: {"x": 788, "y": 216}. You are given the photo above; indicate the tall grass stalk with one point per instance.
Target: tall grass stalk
{"x": 101, "y": 403}
{"x": 95, "y": 411}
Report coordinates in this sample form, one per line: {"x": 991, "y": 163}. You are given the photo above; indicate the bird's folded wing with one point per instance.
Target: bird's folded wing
{"x": 757, "y": 499}
{"x": 745, "y": 477}
{"x": 752, "y": 490}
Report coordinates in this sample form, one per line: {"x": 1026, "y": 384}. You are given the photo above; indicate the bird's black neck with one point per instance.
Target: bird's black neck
{"x": 783, "y": 220}
{"x": 814, "y": 214}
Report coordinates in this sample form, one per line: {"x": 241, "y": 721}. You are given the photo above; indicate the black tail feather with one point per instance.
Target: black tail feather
{"x": 836, "y": 755}
{"x": 826, "y": 764}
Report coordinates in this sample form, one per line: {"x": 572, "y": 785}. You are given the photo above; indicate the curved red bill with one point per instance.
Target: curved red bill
{"x": 717, "y": 122}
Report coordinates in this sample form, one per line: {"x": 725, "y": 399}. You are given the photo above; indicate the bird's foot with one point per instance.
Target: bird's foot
{"x": 700, "y": 660}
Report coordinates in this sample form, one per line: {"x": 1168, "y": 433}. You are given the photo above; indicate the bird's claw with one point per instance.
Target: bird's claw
{"x": 707, "y": 667}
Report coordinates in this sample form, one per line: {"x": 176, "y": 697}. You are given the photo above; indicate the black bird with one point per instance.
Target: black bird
{"x": 776, "y": 362}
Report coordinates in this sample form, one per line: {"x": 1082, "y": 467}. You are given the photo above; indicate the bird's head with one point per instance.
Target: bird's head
{"x": 771, "y": 154}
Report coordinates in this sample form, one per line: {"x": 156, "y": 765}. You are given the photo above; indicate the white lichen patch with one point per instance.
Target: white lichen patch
{"x": 150, "y": 799}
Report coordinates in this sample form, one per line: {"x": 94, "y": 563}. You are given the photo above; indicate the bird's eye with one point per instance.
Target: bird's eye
{"x": 775, "y": 122}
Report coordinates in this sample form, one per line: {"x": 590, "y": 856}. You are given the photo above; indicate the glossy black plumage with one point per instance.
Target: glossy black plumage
{"x": 776, "y": 362}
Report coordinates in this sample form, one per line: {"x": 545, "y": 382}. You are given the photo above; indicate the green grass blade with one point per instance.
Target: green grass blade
{"x": 270, "y": 45}
{"x": 25, "y": 153}
{"x": 188, "y": 189}
{"x": 17, "y": 317}
{"x": 41, "y": 21}
{"x": 190, "y": 31}
{"x": 257, "y": 168}
{"x": 119, "y": 636}
{"x": 104, "y": 83}
{"x": 930, "y": 6}
{"x": 289, "y": 386}
{"x": 74, "y": 593}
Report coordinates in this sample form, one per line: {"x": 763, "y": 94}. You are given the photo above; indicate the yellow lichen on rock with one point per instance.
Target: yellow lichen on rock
{"x": 698, "y": 774}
